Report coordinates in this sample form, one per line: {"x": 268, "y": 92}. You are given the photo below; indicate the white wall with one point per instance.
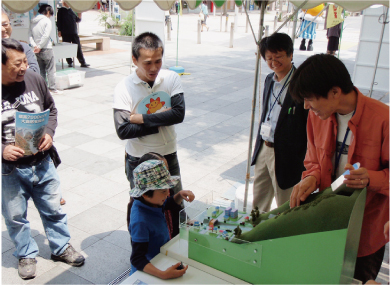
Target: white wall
{"x": 149, "y": 18}
{"x": 367, "y": 51}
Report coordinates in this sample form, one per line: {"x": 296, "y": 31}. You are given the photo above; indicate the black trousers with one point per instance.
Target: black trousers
{"x": 367, "y": 267}
{"x": 74, "y": 39}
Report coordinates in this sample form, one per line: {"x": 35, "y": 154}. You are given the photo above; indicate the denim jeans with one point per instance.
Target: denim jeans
{"x": 40, "y": 182}
{"x": 47, "y": 65}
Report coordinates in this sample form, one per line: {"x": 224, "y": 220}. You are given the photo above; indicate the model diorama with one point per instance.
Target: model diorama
{"x": 279, "y": 246}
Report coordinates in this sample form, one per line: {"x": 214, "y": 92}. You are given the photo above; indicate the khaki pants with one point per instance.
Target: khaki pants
{"x": 265, "y": 186}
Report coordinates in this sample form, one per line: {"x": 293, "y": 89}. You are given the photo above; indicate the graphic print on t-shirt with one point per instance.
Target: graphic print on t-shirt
{"x": 154, "y": 103}
{"x": 28, "y": 102}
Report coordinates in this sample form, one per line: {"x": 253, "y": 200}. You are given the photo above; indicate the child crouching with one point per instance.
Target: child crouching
{"x": 148, "y": 227}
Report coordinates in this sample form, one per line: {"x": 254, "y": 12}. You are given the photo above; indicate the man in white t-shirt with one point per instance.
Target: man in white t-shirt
{"x": 148, "y": 132}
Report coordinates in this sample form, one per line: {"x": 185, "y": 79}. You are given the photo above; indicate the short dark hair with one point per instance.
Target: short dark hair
{"x": 44, "y": 8}
{"x": 276, "y": 42}
{"x": 317, "y": 75}
{"x": 148, "y": 41}
{"x": 7, "y": 44}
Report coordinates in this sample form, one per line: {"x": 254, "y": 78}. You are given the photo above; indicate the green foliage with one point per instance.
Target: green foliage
{"x": 127, "y": 26}
{"x": 103, "y": 19}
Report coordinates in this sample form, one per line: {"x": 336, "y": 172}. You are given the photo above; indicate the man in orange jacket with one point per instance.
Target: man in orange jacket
{"x": 345, "y": 127}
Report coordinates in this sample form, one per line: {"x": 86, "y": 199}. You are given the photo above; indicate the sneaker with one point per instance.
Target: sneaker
{"x": 70, "y": 256}
{"x": 27, "y": 267}
{"x": 62, "y": 202}
{"x": 85, "y": 65}
{"x": 55, "y": 92}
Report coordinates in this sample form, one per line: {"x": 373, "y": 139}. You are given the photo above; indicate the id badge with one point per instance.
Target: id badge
{"x": 265, "y": 129}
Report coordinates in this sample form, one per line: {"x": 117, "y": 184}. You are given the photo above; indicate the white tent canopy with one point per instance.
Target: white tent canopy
{"x": 19, "y": 6}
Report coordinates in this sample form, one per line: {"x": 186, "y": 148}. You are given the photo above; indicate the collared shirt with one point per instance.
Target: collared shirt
{"x": 130, "y": 92}
{"x": 370, "y": 146}
{"x": 273, "y": 114}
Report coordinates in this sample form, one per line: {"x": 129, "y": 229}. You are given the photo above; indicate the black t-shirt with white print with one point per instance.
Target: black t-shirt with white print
{"x": 32, "y": 96}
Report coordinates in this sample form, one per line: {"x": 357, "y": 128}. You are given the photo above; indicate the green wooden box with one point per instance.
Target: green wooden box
{"x": 326, "y": 257}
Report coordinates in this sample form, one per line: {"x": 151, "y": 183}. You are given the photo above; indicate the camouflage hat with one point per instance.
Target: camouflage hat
{"x": 152, "y": 175}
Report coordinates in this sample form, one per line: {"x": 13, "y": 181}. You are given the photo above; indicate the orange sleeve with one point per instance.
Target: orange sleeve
{"x": 379, "y": 180}
{"x": 311, "y": 163}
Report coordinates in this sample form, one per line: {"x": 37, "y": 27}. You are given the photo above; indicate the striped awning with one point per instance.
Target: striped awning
{"x": 19, "y": 6}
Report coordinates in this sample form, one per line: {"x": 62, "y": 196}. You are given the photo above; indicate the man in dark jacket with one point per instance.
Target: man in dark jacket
{"x": 281, "y": 140}
{"x": 27, "y": 175}
{"x": 6, "y": 31}
{"x": 67, "y": 29}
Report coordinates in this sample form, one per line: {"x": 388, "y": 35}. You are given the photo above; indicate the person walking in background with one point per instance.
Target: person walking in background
{"x": 205, "y": 12}
{"x": 308, "y": 27}
{"x": 67, "y": 29}
{"x": 39, "y": 38}
{"x": 6, "y": 31}
{"x": 30, "y": 176}
{"x": 281, "y": 140}
{"x": 103, "y": 5}
{"x": 333, "y": 35}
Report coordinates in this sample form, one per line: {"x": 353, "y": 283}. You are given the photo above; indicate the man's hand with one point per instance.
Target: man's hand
{"x": 45, "y": 143}
{"x": 59, "y": 34}
{"x": 358, "y": 178}
{"x": 37, "y": 49}
{"x": 137, "y": 119}
{"x": 12, "y": 153}
{"x": 302, "y": 190}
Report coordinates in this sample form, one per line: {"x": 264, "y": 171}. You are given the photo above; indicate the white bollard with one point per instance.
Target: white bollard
{"x": 231, "y": 35}
{"x": 226, "y": 23}
{"x": 266, "y": 32}
{"x": 169, "y": 25}
{"x": 246, "y": 25}
{"x": 220, "y": 26}
{"x": 199, "y": 33}
{"x": 275, "y": 22}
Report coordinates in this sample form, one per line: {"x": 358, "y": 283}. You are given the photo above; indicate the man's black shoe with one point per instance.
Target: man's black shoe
{"x": 27, "y": 268}
{"x": 85, "y": 65}
{"x": 70, "y": 256}
{"x": 70, "y": 65}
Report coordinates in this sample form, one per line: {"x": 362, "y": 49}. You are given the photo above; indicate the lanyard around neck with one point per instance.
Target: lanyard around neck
{"x": 338, "y": 156}
{"x": 280, "y": 92}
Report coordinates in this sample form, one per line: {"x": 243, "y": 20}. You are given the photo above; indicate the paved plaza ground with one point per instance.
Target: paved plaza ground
{"x": 212, "y": 141}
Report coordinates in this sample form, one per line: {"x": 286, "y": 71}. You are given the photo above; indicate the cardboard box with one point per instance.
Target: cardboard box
{"x": 69, "y": 78}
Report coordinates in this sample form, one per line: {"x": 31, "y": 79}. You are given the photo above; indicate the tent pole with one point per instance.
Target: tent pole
{"x": 257, "y": 72}
{"x": 341, "y": 35}
{"x": 293, "y": 32}
{"x": 132, "y": 39}
{"x": 379, "y": 49}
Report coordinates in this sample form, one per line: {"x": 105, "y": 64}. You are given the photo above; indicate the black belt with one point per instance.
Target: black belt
{"x": 166, "y": 156}
{"x": 269, "y": 144}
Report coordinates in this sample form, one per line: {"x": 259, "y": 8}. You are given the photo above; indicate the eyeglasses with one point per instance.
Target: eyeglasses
{"x": 6, "y": 24}
{"x": 269, "y": 60}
